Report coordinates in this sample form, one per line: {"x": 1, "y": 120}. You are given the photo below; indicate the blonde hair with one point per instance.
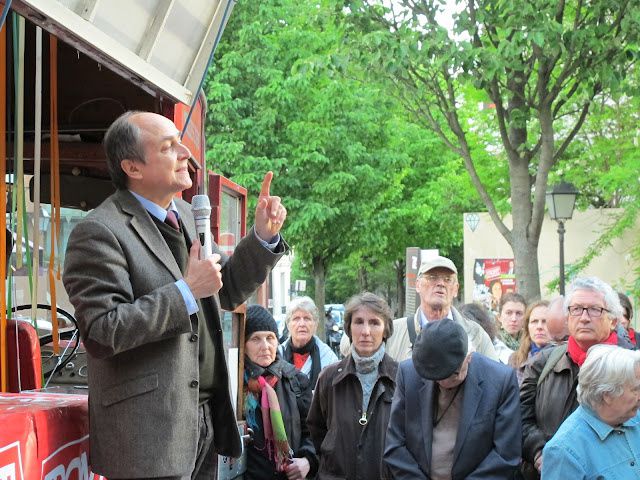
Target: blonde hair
{"x": 522, "y": 354}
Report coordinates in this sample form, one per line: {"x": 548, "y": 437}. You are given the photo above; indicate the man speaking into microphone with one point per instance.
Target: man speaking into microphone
{"x": 148, "y": 307}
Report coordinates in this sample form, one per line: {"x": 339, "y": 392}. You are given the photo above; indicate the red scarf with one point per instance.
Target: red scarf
{"x": 632, "y": 335}
{"x": 578, "y": 355}
{"x": 299, "y": 359}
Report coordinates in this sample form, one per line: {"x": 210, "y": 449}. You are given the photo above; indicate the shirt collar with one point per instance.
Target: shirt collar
{"x": 602, "y": 429}
{"x": 424, "y": 320}
{"x": 155, "y": 209}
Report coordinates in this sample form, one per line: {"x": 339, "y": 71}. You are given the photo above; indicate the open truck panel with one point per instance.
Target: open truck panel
{"x": 163, "y": 46}
{"x": 113, "y": 56}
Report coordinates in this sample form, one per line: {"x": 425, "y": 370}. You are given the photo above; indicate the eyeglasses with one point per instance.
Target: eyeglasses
{"x": 593, "y": 312}
{"x": 446, "y": 279}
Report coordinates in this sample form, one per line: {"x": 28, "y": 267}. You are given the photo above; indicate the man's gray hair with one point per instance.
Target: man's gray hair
{"x": 302, "y": 303}
{"x": 611, "y": 300}
{"x": 123, "y": 140}
{"x": 606, "y": 371}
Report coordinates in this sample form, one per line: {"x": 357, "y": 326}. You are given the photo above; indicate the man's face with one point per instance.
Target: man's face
{"x": 557, "y": 322}
{"x": 589, "y": 330}
{"x": 437, "y": 288}
{"x": 457, "y": 377}
{"x": 165, "y": 171}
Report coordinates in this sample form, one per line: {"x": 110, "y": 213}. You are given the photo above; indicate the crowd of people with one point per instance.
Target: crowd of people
{"x": 550, "y": 388}
{"x": 455, "y": 393}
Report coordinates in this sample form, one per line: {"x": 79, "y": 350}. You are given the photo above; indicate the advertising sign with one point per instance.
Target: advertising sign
{"x": 493, "y": 277}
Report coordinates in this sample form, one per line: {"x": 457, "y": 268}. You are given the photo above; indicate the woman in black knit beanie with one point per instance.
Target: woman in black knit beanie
{"x": 275, "y": 406}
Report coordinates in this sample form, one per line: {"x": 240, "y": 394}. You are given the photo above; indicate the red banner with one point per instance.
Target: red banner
{"x": 44, "y": 436}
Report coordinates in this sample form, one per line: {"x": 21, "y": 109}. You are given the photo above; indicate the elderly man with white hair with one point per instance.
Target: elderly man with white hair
{"x": 548, "y": 391}
{"x": 601, "y": 439}
{"x": 303, "y": 348}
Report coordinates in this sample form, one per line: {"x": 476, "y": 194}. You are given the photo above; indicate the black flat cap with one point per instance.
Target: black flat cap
{"x": 440, "y": 349}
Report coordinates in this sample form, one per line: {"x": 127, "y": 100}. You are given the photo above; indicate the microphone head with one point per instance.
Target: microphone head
{"x": 200, "y": 206}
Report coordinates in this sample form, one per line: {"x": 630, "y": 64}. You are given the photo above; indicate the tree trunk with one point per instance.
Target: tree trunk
{"x": 525, "y": 232}
{"x": 526, "y": 262}
{"x": 319, "y": 281}
{"x": 524, "y": 235}
{"x": 363, "y": 279}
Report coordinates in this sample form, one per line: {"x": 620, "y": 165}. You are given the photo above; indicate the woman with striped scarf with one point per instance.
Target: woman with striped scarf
{"x": 276, "y": 402}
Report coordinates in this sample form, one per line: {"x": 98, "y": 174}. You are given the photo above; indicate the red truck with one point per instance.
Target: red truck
{"x": 96, "y": 59}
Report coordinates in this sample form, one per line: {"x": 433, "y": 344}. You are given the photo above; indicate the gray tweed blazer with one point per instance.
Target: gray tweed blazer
{"x": 142, "y": 354}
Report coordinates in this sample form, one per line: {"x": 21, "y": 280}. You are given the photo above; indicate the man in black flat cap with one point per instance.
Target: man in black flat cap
{"x": 455, "y": 413}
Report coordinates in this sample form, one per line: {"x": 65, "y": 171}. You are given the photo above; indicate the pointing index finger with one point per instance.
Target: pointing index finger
{"x": 266, "y": 185}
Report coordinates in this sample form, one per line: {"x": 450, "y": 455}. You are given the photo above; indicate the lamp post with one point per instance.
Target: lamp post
{"x": 561, "y": 200}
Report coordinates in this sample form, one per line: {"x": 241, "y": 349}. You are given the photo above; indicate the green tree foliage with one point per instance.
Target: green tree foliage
{"x": 604, "y": 164}
{"x": 360, "y": 181}
{"x": 540, "y": 64}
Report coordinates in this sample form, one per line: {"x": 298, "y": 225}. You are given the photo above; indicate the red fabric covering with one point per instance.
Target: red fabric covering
{"x": 26, "y": 356}
{"x": 578, "y": 355}
{"x": 44, "y": 436}
{"x": 299, "y": 359}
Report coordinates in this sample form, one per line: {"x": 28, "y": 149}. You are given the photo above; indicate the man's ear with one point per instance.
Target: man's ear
{"x": 614, "y": 323}
{"x": 131, "y": 168}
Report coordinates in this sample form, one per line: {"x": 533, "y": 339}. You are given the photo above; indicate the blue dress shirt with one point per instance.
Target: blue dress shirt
{"x": 424, "y": 320}
{"x": 585, "y": 447}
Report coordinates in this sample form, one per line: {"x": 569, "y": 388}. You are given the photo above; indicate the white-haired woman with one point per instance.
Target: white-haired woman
{"x": 601, "y": 438}
{"x": 303, "y": 348}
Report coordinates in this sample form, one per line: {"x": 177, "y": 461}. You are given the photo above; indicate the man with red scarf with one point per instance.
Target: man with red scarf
{"x": 548, "y": 395}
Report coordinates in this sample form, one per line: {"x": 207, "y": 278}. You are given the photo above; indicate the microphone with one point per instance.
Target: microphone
{"x": 201, "y": 209}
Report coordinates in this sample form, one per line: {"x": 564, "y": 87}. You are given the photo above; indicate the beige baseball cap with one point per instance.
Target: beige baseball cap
{"x": 436, "y": 262}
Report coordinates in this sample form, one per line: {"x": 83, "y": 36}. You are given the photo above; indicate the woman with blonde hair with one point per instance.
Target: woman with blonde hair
{"x": 533, "y": 338}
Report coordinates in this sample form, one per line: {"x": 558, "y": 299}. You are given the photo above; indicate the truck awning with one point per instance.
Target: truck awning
{"x": 161, "y": 45}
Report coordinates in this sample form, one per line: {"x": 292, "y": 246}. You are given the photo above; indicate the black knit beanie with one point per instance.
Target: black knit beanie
{"x": 259, "y": 319}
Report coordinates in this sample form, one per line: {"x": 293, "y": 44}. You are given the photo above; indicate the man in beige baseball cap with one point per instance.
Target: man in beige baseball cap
{"x": 437, "y": 285}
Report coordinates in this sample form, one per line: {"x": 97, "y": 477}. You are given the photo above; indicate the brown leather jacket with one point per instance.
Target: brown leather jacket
{"x": 544, "y": 407}
{"x": 347, "y": 449}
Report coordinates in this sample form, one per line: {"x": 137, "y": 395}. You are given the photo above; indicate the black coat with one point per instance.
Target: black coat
{"x": 348, "y": 450}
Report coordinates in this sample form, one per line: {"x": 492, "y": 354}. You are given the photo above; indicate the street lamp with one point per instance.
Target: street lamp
{"x": 560, "y": 202}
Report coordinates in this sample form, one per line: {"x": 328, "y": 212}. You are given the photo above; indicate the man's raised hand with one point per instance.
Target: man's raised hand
{"x": 270, "y": 213}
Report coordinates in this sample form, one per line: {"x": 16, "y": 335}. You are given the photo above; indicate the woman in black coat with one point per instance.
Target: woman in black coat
{"x": 351, "y": 405}
{"x": 276, "y": 402}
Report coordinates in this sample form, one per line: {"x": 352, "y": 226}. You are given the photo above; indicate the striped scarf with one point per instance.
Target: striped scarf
{"x": 260, "y": 393}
